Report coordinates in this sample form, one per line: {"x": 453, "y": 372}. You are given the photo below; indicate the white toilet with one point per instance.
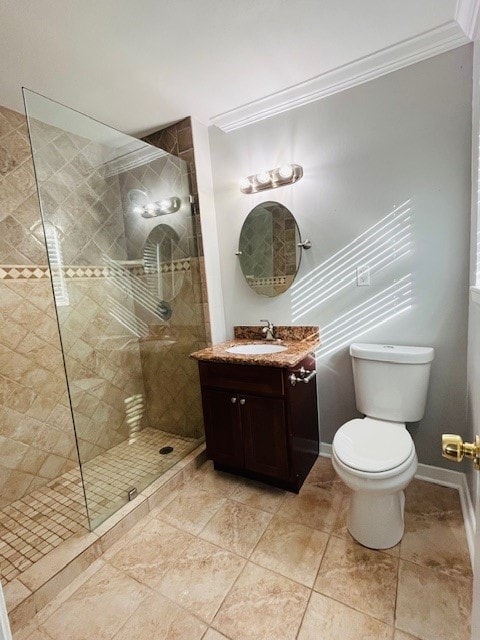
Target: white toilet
{"x": 375, "y": 456}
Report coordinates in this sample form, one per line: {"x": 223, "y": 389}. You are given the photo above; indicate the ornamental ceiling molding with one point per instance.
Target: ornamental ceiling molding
{"x": 458, "y": 31}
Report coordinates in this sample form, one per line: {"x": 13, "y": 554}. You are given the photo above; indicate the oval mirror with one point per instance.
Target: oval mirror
{"x": 161, "y": 253}
{"x": 268, "y": 249}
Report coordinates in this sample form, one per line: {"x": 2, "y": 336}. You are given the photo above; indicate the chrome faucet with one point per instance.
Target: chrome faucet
{"x": 269, "y": 330}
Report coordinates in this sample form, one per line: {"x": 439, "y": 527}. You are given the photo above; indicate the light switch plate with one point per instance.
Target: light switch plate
{"x": 363, "y": 276}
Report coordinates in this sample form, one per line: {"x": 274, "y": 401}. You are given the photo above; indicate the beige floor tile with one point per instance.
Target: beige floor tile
{"x": 437, "y": 541}
{"x": 262, "y": 606}
{"x": 400, "y": 635}
{"x": 326, "y": 619}
{"x": 360, "y": 578}
{"x": 291, "y": 549}
{"x": 340, "y": 524}
{"x": 432, "y": 605}
{"x": 191, "y": 509}
{"x": 208, "y": 479}
{"x": 32, "y": 631}
{"x": 126, "y": 538}
{"x": 99, "y": 607}
{"x": 38, "y": 634}
{"x": 258, "y": 495}
{"x": 159, "y": 619}
{"x": 236, "y": 527}
{"x": 313, "y": 507}
{"x": 324, "y": 476}
{"x": 149, "y": 556}
{"x": 201, "y": 577}
{"x": 426, "y": 497}
{"x": 214, "y": 635}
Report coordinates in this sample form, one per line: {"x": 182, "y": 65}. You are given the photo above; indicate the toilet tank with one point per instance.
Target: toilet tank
{"x": 391, "y": 382}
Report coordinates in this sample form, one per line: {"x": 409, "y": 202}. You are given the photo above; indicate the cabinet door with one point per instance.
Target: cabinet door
{"x": 264, "y": 432}
{"x": 223, "y": 431}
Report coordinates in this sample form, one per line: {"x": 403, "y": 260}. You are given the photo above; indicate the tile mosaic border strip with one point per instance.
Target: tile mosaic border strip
{"x": 41, "y": 272}
{"x": 263, "y": 282}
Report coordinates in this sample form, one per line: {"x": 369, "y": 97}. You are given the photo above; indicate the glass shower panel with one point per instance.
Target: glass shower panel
{"x": 124, "y": 267}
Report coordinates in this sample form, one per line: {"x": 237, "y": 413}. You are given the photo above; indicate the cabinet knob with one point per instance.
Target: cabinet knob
{"x": 233, "y": 399}
{"x": 242, "y": 400}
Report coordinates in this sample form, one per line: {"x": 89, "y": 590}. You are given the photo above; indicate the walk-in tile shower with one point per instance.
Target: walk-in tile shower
{"x": 100, "y": 397}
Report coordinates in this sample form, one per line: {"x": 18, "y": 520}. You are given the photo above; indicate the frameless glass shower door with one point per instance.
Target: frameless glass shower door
{"x": 125, "y": 275}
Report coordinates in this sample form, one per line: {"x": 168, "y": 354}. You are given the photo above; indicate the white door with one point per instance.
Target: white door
{"x": 476, "y": 569}
{"x": 4, "y": 625}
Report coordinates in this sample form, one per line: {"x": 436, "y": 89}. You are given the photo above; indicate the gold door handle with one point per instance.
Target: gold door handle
{"x": 454, "y": 448}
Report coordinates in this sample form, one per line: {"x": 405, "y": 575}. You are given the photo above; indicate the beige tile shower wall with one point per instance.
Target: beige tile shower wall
{"x": 36, "y": 431}
{"x": 177, "y": 139}
{"x": 36, "y": 434}
{"x": 103, "y": 363}
{"x": 172, "y": 389}
{"x": 172, "y": 386}
{"x": 98, "y": 325}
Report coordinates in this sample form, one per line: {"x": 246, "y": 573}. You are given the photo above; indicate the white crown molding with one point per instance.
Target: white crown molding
{"x": 467, "y": 15}
{"x": 446, "y": 478}
{"x": 428, "y": 44}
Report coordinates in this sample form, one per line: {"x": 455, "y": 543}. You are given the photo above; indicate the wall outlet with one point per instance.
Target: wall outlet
{"x": 363, "y": 276}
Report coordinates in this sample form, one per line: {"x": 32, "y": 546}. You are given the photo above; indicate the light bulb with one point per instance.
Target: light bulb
{"x": 165, "y": 205}
{"x": 245, "y": 183}
{"x": 263, "y": 178}
{"x": 286, "y": 171}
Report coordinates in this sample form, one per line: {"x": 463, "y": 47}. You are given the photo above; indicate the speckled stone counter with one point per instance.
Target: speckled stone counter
{"x": 300, "y": 341}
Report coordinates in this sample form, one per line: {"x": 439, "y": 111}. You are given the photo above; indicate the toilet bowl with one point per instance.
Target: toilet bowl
{"x": 375, "y": 455}
{"x": 376, "y": 460}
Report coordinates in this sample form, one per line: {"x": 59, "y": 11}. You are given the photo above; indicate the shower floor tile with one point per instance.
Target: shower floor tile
{"x": 298, "y": 582}
{"x": 39, "y": 522}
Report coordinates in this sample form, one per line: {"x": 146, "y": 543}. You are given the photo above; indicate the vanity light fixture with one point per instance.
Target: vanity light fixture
{"x": 286, "y": 174}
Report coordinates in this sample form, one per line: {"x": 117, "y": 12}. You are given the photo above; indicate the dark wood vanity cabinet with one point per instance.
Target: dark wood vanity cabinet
{"x": 258, "y": 424}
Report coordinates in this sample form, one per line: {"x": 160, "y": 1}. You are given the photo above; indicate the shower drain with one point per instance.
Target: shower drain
{"x": 165, "y": 450}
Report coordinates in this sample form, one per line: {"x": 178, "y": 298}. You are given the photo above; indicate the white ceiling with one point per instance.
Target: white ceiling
{"x": 140, "y": 64}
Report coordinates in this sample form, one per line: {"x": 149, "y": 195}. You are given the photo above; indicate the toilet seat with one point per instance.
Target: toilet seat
{"x": 373, "y": 446}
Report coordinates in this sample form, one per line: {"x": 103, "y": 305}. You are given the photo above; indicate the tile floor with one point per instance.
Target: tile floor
{"x": 225, "y": 558}
{"x": 39, "y": 522}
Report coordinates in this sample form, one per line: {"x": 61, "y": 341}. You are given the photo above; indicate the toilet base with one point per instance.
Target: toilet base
{"x": 376, "y": 521}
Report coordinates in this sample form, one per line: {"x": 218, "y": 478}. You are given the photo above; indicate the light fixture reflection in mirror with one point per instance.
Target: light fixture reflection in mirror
{"x": 279, "y": 177}
{"x": 161, "y": 208}
{"x": 144, "y": 206}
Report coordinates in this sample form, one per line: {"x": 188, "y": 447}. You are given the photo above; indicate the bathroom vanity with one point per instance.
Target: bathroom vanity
{"x": 260, "y": 410}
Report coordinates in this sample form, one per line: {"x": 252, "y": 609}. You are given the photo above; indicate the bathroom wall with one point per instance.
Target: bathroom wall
{"x": 82, "y": 206}
{"x": 386, "y": 183}
{"x": 36, "y": 432}
{"x": 167, "y": 344}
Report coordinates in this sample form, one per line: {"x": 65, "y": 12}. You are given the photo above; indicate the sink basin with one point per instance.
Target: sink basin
{"x": 256, "y": 349}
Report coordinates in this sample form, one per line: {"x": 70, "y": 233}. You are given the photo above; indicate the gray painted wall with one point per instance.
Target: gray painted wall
{"x": 401, "y": 141}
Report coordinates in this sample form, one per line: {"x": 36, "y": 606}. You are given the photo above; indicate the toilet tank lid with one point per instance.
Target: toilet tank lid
{"x": 392, "y": 353}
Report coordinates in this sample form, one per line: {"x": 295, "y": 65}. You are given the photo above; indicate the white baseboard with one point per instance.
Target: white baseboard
{"x": 325, "y": 450}
{"x": 446, "y": 478}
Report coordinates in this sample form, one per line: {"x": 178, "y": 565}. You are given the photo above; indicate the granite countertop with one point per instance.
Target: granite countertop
{"x": 300, "y": 341}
